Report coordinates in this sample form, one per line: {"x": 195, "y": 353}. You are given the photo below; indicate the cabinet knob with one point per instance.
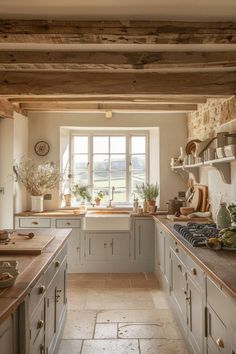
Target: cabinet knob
{"x": 194, "y": 271}
{"x": 180, "y": 267}
{"x": 40, "y": 324}
{"x": 34, "y": 223}
{"x": 57, "y": 264}
{"x": 42, "y": 288}
{"x": 220, "y": 342}
{"x": 105, "y": 245}
{"x": 177, "y": 250}
{"x": 68, "y": 223}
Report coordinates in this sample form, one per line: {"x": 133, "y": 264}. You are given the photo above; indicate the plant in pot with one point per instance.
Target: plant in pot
{"x": 81, "y": 193}
{"x": 149, "y": 192}
{"x": 98, "y": 198}
{"x": 38, "y": 179}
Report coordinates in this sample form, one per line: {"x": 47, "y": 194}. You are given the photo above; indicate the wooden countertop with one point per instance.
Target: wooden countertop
{"x": 74, "y": 213}
{"x": 30, "y": 269}
{"x": 220, "y": 265}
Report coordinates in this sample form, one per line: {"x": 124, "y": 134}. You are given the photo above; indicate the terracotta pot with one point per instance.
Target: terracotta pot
{"x": 151, "y": 206}
{"x": 97, "y": 201}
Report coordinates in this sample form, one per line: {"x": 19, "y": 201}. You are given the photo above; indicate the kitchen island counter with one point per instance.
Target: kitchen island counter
{"x": 30, "y": 267}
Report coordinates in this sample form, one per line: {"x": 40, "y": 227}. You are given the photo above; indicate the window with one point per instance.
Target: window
{"x": 104, "y": 160}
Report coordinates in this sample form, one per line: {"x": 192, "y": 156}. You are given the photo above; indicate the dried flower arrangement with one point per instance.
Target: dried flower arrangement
{"x": 38, "y": 179}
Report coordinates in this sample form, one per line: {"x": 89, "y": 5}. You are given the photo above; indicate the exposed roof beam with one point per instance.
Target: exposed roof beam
{"x": 152, "y": 99}
{"x": 112, "y": 32}
{"x": 54, "y": 83}
{"x": 74, "y": 106}
{"x": 113, "y": 61}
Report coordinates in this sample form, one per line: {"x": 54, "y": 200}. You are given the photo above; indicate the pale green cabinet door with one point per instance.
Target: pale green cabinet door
{"x": 179, "y": 289}
{"x": 119, "y": 246}
{"x": 74, "y": 251}
{"x": 144, "y": 239}
{"x": 7, "y": 337}
{"x": 97, "y": 247}
{"x": 195, "y": 316}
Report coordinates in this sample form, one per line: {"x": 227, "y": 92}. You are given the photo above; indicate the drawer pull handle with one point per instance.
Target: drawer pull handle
{"x": 194, "y": 271}
{"x": 57, "y": 264}
{"x": 177, "y": 250}
{"x": 180, "y": 267}
{"x": 40, "y": 324}
{"x": 42, "y": 288}
{"x": 68, "y": 223}
{"x": 34, "y": 223}
{"x": 220, "y": 342}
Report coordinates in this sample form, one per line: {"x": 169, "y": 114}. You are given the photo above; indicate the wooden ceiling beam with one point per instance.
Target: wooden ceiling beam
{"x": 116, "y": 32}
{"x": 74, "y": 106}
{"x": 113, "y": 61}
{"x": 54, "y": 83}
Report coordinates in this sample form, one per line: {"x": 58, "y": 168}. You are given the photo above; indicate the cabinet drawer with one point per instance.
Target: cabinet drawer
{"x": 220, "y": 303}
{"x": 178, "y": 251}
{"x": 68, "y": 223}
{"x": 217, "y": 333}
{"x": 55, "y": 265}
{"x": 37, "y": 322}
{"x": 35, "y": 222}
{"x": 37, "y": 293}
{"x": 195, "y": 272}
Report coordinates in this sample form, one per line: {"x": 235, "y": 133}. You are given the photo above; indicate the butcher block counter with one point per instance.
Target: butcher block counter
{"x": 40, "y": 277}
{"x": 220, "y": 265}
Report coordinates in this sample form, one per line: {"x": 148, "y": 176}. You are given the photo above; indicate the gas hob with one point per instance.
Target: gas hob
{"x": 197, "y": 234}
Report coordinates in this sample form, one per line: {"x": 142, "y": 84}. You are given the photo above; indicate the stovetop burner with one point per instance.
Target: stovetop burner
{"x": 197, "y": 234}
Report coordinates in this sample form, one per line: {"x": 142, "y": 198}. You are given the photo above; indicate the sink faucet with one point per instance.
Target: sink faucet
{"x": 112, "y": 197}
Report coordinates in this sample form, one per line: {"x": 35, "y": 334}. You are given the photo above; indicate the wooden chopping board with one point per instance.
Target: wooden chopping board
{"x": 196, "y": 200}
{"x": 25, "y": 245}
{"x": 186, "y": 218}
{"x": 204, "y": 197}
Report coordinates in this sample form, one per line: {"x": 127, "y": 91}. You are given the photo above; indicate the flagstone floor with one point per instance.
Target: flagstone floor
{"x": 119, "y": 314}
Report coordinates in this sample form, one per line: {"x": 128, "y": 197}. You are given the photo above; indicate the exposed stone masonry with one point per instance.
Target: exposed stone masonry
{"x": 211, "y": 117}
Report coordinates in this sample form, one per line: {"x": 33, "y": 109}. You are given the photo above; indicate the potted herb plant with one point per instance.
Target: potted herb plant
{"x": 98, "y": 198}
{"x": 81, "y": 193}
{"x": 38, "y": 179}
{"x": 149, "y": 193}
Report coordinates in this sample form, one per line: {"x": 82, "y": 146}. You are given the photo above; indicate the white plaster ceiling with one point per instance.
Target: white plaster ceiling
{"x": 180, "y": 10}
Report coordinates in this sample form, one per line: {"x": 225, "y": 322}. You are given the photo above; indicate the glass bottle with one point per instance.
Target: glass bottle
{"x": 223, "y": 219}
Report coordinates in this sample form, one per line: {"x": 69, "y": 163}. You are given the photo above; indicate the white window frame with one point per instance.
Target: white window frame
{"x": 119, "y": 132}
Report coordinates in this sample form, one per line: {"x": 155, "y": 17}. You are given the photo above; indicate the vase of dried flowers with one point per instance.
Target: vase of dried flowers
{"x": 38, "y": 179}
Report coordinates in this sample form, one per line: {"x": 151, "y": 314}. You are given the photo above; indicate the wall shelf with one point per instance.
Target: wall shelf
{"x": 222, "y": 165}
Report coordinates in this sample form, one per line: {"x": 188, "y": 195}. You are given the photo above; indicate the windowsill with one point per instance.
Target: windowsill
{"x": 102, "y": 207}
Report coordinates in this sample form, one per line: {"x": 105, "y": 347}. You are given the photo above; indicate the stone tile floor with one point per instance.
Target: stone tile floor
{"x": 119, "y": 314}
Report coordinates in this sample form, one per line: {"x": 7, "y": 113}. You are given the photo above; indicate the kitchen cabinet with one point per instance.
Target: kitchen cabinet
{"x": 106, "y": 246}
{"x": 7, "y": 338}
{"x": 162, "y": 252}
{"x": 144, "y": 239}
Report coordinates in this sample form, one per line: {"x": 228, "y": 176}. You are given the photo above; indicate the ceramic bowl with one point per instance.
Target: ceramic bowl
{"x": 220, "y": 153}
{"x": 9, "y": 277}
{"x": 230, "y": 150}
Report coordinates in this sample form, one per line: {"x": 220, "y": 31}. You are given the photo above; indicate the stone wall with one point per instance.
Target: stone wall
{"x": 212, "y": 117}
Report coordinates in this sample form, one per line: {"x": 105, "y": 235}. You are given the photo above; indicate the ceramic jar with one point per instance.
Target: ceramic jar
{"x": 223, "y": 218}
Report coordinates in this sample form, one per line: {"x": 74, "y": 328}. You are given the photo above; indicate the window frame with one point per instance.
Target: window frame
{"x": 121, "y": 132}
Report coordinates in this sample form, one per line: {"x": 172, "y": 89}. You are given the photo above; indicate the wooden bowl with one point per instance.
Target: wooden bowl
{"x": 186, "y": 211}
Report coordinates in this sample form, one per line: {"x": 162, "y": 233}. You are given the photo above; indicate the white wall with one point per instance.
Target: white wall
{"x": 13, "y": 145}
{"x": 172, "y": 129}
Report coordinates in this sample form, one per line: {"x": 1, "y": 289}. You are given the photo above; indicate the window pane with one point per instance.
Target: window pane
{"x": 138, "y": 144}
{"x": 118, "y": 144}
{"x": 118, "y": 162}
{"x": 100, "y": 144}
{"x": 118, "y": 179}
{"x": 138, "y": 162}
{"x": 80, "y": 162}
{"x": 137, "y": 178}
{"x": 81, "y": 144}
{"x": 100, "y": 162}
{"x": 81, "y": 178}
{"x": 100, "y": 180}
{"x": 120, "y": 195}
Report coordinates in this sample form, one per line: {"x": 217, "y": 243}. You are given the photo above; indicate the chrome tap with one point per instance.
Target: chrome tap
{"x": 112, "y": 197}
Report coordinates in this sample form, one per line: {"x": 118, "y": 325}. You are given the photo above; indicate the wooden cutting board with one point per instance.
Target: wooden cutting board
{"x": 186, "y": 218}
{"x": 25, "y": 245}
{"x": 204, "y": 197}
{"x": 195, "y": 202}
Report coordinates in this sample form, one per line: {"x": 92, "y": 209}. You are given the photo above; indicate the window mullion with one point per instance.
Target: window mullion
{"x": 90, "y": 160}
{"x": 128, "y": 179}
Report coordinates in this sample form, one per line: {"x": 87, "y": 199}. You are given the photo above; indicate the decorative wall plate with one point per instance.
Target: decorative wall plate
{"x": 41, "y": 148}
